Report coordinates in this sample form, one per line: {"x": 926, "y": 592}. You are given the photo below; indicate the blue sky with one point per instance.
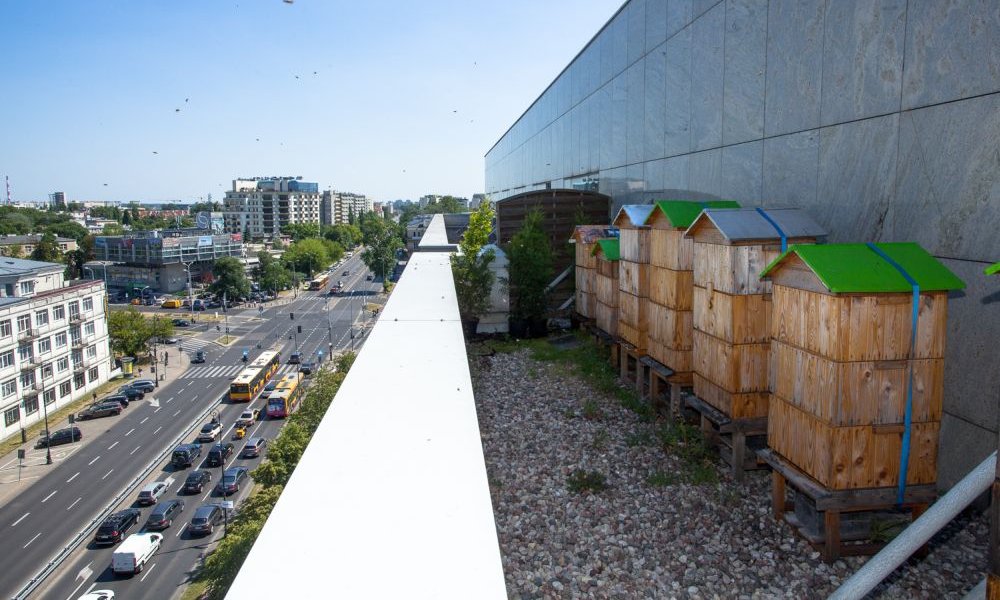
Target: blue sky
{"x": 172, "y": 100}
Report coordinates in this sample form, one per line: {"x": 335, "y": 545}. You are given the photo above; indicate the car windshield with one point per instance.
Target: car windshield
{"x": 229, "y": 479}
{"x": 194, "y": 477}
{"x": 199, "y": 521}
{"x": 207, "y": 428}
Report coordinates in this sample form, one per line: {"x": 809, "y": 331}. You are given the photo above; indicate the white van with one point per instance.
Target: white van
{"x": 135, "y": 552}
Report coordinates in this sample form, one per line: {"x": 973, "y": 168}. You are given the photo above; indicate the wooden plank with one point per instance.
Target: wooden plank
{"x": 633, "y": 244}
{"x": 732, "y": 269}
{"x": 672, "y": 328}
{"x": 668, "y": 248}
{"x": 670, "y": 288}
{"x": 745, "y": 405}
{"x": 606, "y": 318}
{"x": 736, "y": 368}
{"x": 736, "y": 319}
{"x": 633, "y": 278}
{"x": 778, "y": 495}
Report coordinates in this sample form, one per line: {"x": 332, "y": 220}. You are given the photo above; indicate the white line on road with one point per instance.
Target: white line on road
{"x": 127, "y": 434}
{"x": 70, "y": 507}
{"x": 134, "y": 451}
{"x": 178, "y": 412}
{"x": 31, "y": 540}
{"x": 97, "y": 458}
{"x": 170, "y": 399}
{"x": 111, "y": 447}
{"x": 157, "y": 409}
{"x": 143, "y": 421}
{"x": 21, "y": 519}
{"x": 148, "y": 571}
{"x": 50, "y": 495}
{"x": 181, "y": 530}
{"x": 157, "y": 430}
{"x": 106, "y": 475}
{"x": 73, "y": 477}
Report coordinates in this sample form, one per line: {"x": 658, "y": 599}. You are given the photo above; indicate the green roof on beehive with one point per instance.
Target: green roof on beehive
{"x": 681, "y": 213}
{"x": 608, "y": 247}
{"x": 993, "y": 269}
{"x": 847, "y": 268}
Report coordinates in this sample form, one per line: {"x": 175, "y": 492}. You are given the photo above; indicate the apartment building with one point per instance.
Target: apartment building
{"x": 27, "y": 243}
{"x": 261, "y": 206}
{"x": 54, "y": 345}
{"x": 337, "y": 207}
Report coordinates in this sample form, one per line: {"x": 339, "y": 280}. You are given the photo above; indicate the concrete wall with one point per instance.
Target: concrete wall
{"x": 881, "y": 117}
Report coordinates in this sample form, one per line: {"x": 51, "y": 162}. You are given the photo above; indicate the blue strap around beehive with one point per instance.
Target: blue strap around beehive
{"x": 904, "y": 457}
{"x": 784, "y": 238}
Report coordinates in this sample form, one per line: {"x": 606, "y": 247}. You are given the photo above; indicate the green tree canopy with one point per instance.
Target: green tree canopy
{"x": 447, "y": 204}
{"x": 344, "y": 234}
{"x": 470, "y": 269}
{"x": 230, "y": 280}
{"x": 198, "y": 207}
{"x": 301, "y": 231}
{"x": 530, "y": 268}
{"x": 307, "y": 256}
{"x": 271, "y": 274}
{"x": 47, "y": 249}
{"x": 129, "y": 331}
{"x": 382, "y": 240}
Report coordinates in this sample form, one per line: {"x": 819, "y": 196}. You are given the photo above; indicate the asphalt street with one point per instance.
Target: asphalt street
{"x": 47, "y": 515}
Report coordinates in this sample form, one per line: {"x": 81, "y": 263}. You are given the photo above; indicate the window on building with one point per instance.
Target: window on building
{"x": 45, "y": 345}
{"x": 93, "y": 374}
{"x": 5, "y": 329}
{"x": 91, "y": 351}
{"x": 28, "y": 379}
{"x": 77, "y": 358}
{"x": 79, "y": 381}
{"x": 74, "y": 309}
{"x": 88, "y": 328}
{"x": 74, "y": 334}
{"x": 12, "y": 415}
{"x": 88, "y": 304}
{"x": 49, "y": 396}
{"x": 47, "y": 371}
{"x": 31, "y": 406}
{"x": 7, "y": 359}
{"x": 61, "y": 340}
{"x": 62, "y": 364}
{"x": 23, "y": 323}
{"x": 27, "y": 287}
{"x": 41, "y": 317}
{"x": 24, "y": 353}
{"x": 8, "y": 388}
{"x": 59, "y": 313}
{"x": 64, "y": 389}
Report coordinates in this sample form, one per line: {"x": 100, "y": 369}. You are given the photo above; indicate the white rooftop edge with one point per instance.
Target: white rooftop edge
{"x": 435, "y": 238}
{"x": 390, "y": 499}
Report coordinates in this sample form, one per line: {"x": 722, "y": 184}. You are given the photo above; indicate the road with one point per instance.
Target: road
{"x": 40, "y": 521}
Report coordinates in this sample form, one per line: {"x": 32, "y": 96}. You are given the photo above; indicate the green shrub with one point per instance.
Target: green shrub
{"x": 661, "y": 479}
{"x": 581, "y": 481}
{"x": 591, "y": 410}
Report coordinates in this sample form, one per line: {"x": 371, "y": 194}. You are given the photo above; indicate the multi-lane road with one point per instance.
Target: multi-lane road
{"x": 40, "y": 521}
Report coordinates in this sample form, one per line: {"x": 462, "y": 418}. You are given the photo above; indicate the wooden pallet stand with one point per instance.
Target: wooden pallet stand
{"x": 604, "y": 340}
{"x": 631, "y": 367}
{"x": 833, "y": 504}
{"x": 736, "y": 439}
{"x": 665, "y": 387}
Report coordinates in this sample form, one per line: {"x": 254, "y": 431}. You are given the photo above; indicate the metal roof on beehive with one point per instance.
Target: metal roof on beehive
{"x": 749, "y": 224}
{"x": 857, "y": 268}
{"x": 633, "y": 215}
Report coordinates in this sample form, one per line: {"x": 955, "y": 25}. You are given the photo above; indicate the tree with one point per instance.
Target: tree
{"x": 129, "y": 331}
{"x": 271, "y": 274}
{"x": 447, "y": 204}
{"x": 113, "y": 229}
{"x": 334, "y": 250}
{"x": 127, "y": 218}
{"x": 381, "y": 241}
{"x": 68, "y": 229}
{"x": 230, "y": 280}
{"x": 13, "y": 251}
{"x": 471, "y": 267}
{"x": 47, "y": 249}
{"x": 277, "y": 244}
{"x": 308, "y": 256}
{"x": 344, "y": 234}
{"x": 530, "y": 269}
{"x": 301, "y": 231}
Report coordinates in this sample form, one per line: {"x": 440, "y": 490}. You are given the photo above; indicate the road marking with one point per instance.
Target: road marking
{"x": 111, "y": 447}
{"x": 50, "y": 495}
{"x": 157, "y": 430}
{"x": 31, "y": 540}
{"x": 178, "y": 412}
{"x": 170, "y": 399}
{"x": 21, "y": 519}
{"x": 143, "y": 421}
{"x": 93, "y": 461}
{"x": 73, "y": 477}
{"x": 148, "y": 571}
{"x": 134, "y": 451}
{"x": 74, "y": 503}
{"x": 83, "y": 576}
{"x": 157, "y": 410}
{"x": 127, "y": 434}
{"x": 106, "y": 475}
{"x": 181, "y": 530}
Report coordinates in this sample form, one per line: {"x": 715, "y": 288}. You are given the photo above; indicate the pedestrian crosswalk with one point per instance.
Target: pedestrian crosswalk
{"x": 192, "y": 344}
{"x": 225, "y": 371}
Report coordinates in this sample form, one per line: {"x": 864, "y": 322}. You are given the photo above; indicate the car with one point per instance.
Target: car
{"x": 131, "y": 393}
{"x": 248, "y": 417}
{"x": 66, "y": 435}
{"x": 146, "y": 385}
{"x": 270, "y": 386}
{"x": 334, "y": 290}
{"x": 255, "y": 446}
{"x": 181, "y": 323}
{"x": 199, "y": 357}
{"x": 98, "y": 595}
{"x": 307, "y": 368}
{"x": 214, "y": 304}
{"x": 119, "y": 398}
{"x": 185, "y": 455}
{"x": 196, "y": 481}
{"x": 295, "y": 358}
{"x": 346, "y": 273}
{"x": 164, "y": 513}
{"x": 210, "y": 431}
{"x": 171, "y": 303}
{"x": 205, "y": 519}
{"x": 218, "y": 454}
{"x": 232, "y": 479}
{"x": 113, "y": 529}
{"x": 199, "y": 305}
{"x": 168, "y": 340}
{"x": 151, "y": 493}
{"x": 96, "y": 411}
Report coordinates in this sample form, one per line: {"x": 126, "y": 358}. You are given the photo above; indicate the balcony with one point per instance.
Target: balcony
{"x": 30, "y": 364}
{"x": 30, "y": 390}
{"x": 403, "y": 478}
{"x": 27, "y": 334}
{"x": 78, "y": 343}
{"x": 77, "y": 318}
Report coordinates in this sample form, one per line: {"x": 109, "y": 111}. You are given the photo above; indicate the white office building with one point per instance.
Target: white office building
{"x": 337, "y": 207}
{"x": 54, "y": 345}
{"x": 263, "y": 205}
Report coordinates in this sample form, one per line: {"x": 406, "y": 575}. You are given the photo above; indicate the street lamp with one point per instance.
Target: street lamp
{"x": 187, "y": 269}
{"x": 48, "y": 434}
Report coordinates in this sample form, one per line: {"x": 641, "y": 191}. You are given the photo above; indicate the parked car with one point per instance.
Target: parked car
{"x": 171, "y": 303}
{"x": 121, "y": 399}
{"x": 232, "y": 479}
{"x": 370, "y": 277}
{"x": 146, "y": 385}
{"x": 295, "y": 358}
{"x": 196, "y": 481}
{"x": 199, "y": 357}
{"x": 169, "y": 340}
{"x": 214, "y": 304}
{"x": 135, "y": 552}
{"x": 248, "y": 417}
{"x": 218, "y": 454}
{"x": 205, "y": 519}
{"x": 346, "y": 273}
{"x": 59, "y": 437}
{"x": 131, "y": 393}
{"x": 306, "y": 368}
{"x": 255, "y": 446}
{"x": 199, "y": 305}
{"x": 210, "y": 431}
{"x": 184, "y": 456}
{"x": 113, "y": 529}
{"x": 104, "y": 409}
{"x": 181, "y": 323}
{"x": 164, "y": 513}
{"x": 151, "y": 493}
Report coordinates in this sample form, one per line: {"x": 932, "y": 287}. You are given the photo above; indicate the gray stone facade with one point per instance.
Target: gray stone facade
{"x": 881, "y": 117}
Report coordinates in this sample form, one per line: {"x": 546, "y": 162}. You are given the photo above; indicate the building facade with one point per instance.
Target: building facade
{"x": 879, "y": 118}
{"x": 54, "y": 346}
{"x": 263, "y": 205}
{"x": 27, "y": 244}
{"x": 337, "y": 207}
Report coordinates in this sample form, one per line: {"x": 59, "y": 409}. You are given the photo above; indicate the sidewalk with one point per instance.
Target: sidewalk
{"x": 14, "y": 480}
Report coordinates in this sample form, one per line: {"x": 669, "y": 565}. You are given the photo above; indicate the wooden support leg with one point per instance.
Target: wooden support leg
{"x": 831, "y": 522}
{"x": 614, "y": 355}
{"x": 739, "y": 452}
{"x": 654, "y": 390}
{"x": 778, "y": 495}
{"x": 623, "y": 363}
{"x": 640, "y": 378}
{"x": 675, "y": 401}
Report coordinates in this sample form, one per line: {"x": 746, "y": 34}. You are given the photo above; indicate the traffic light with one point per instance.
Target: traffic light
{"x": 300, "y": 328}
{"x": 218, "y": 328}
{"x": 291, "y": 316}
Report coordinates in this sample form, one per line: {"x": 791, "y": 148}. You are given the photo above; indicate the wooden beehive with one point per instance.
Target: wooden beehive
{"x": 633, "y": 278}
{"x": 671, "y": 284}
{"x": 841, "y": 361}
{"x": 584, "y": 238}
{"x": 731, "y": 306}
{"x": 606, "y": 291}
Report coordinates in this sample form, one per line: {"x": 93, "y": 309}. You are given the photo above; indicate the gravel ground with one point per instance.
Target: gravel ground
{"x": 652, "y": 539}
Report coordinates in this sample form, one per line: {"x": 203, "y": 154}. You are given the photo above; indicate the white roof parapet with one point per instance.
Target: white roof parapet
{"x": 435, "y": 238}
{"x": 391, "y": 499}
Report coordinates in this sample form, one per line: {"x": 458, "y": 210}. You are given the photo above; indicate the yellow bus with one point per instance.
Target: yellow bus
{"x": 320, "y": 282}
{"x": 252, "y": 379}
{"x": 284, "y": 400}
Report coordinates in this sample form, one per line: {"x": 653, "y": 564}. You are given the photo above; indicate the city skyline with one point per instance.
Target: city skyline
{"x": 160, "y": 103}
